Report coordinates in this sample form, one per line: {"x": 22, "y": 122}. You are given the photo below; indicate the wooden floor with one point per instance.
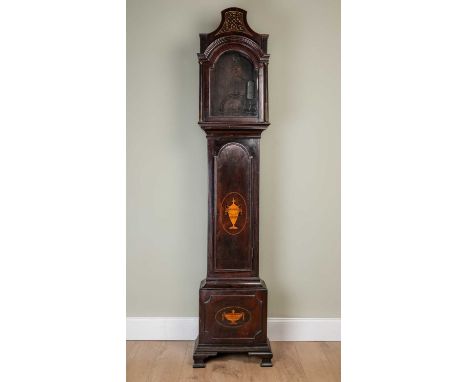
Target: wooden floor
{"x": 171, "y": 361}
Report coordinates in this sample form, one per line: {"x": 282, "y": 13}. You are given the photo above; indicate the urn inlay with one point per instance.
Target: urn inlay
{"x": 233, "y": 316}
{"x": 234, "y": 212}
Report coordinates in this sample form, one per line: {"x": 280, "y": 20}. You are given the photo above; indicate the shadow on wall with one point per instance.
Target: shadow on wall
{"x": 190, "y": 142}
{"x": 270, "y": 248}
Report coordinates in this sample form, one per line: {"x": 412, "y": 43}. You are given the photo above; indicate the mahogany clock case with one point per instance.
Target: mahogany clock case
{"x": 233, "y": 112}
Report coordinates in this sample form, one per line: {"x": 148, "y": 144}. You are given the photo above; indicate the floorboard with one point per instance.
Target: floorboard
{"x": 171, "y": 361}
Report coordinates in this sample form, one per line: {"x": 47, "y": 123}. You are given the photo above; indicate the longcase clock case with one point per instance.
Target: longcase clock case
{"x": 233, "y": 112}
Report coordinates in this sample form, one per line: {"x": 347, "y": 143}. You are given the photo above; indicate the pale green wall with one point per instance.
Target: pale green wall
{"x": 300, "y": 156}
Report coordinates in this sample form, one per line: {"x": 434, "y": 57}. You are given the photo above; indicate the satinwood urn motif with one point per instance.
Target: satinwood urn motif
{"x": 233, "y": 212}
{"x": 233, "y": 64}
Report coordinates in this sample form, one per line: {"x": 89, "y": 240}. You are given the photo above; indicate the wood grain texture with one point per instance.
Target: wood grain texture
{"x": 153, "y": 361}
{"x": 316, "y": 356}
{"x": 233, "y": 105}
{"x": 156, "y": 361}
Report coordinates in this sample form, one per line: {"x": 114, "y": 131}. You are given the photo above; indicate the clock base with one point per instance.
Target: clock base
{"x": 204, "y": 351}
{"x": 233, "y": 319}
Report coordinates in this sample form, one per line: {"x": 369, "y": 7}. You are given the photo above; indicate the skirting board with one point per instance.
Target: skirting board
{"x": 279, "y": 329}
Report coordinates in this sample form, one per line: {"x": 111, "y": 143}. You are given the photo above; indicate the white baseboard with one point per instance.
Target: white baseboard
{"x": 279, "y": 329}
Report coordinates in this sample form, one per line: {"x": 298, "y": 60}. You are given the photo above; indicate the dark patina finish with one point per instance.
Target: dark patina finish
{"x": 233, "y": 112}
